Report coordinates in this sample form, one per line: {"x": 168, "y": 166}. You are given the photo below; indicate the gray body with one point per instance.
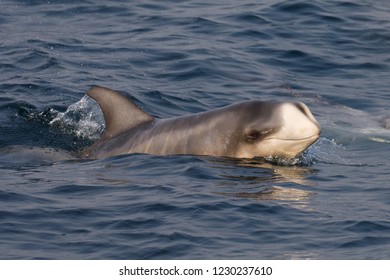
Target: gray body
{"x": 243, "y": 130}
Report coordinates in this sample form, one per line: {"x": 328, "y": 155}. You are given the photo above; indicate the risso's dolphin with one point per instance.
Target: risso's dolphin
{"x": 243, "y": 130}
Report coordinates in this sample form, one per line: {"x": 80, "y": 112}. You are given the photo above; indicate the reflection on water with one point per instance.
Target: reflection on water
{"x": 262, "y": 171}
{"x": 277, "y": 193}
{"x": 301, "y": 256}
{"x": 294, "y": 198}
{"x": 265, "y": 181}
{"x": 379, "y": 139}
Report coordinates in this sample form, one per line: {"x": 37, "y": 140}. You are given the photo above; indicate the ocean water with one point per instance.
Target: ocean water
{"x": 174, "y": 58}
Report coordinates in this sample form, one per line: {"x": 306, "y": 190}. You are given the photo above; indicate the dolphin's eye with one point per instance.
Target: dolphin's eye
{"x": 257, "y": 135}
{"x": 253, "y": 135}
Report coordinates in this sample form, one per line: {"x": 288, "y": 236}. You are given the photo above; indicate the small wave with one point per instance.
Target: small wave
{"x": 83, "y": 119}
{"x": 326, "y": 151}
{"x": 385, "y": 122}
{"x": 323, "y": 151}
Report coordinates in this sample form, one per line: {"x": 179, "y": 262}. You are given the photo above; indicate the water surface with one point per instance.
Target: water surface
{"x": 177, "y": 58}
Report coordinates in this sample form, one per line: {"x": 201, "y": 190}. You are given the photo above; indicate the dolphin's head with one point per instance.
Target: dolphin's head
{"x": 278, "y": 129}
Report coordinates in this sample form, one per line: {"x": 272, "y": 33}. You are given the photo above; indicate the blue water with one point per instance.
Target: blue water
{"x": 175, "y": 58}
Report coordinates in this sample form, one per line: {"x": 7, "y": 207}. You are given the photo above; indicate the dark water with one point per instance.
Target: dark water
{"x": 175, "y": 58}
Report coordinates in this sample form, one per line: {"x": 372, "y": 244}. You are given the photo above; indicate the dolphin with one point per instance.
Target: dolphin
{"x": 244, "y": 130}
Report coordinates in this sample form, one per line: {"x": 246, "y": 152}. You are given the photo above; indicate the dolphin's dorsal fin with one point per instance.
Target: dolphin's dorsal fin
{"x": 120, "y": 113}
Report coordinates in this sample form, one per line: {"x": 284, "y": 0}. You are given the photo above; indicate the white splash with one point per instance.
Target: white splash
{"x": 83, "y": 118}
{"x": 326, "y": 151}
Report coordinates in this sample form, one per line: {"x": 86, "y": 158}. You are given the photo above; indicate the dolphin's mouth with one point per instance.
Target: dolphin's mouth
{"x": 313, "y": 137}
{"x": 292, "y": 148}
{"x": 309, "y": 138}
